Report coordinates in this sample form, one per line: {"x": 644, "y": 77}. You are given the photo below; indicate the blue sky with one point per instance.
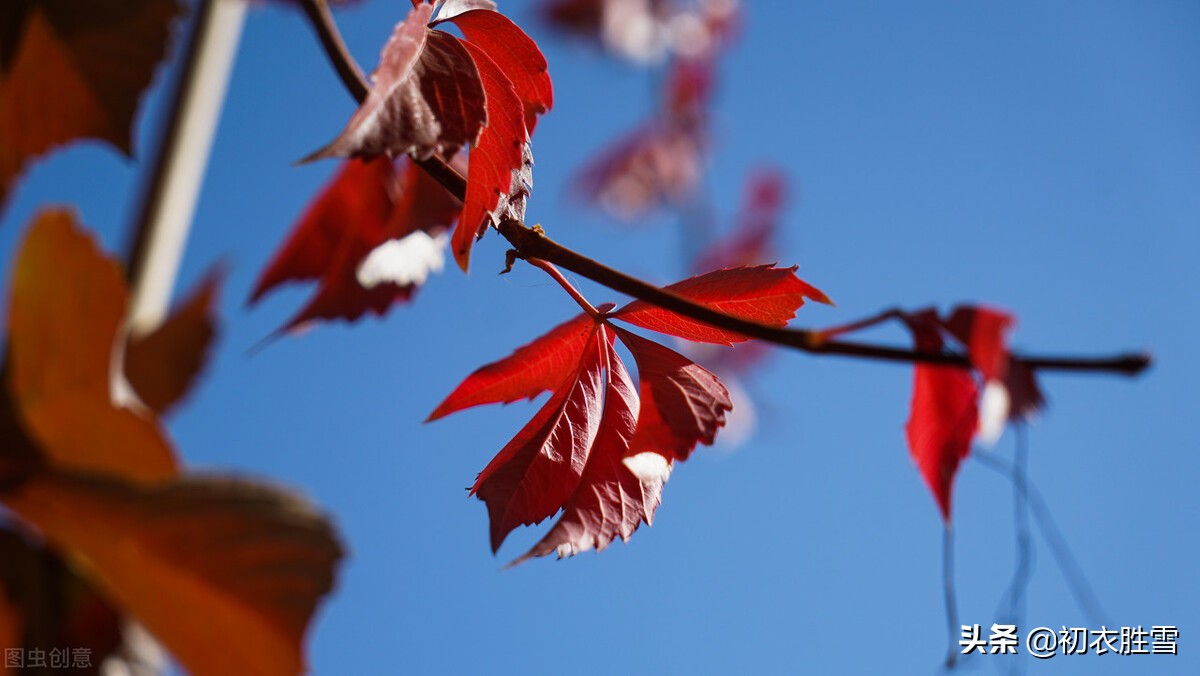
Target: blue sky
{"x": 1042, "y": 157}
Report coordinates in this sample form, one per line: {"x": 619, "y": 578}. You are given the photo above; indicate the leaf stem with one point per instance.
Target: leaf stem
{"x": 574, "y": 293}
{"x": 530, "y": 244}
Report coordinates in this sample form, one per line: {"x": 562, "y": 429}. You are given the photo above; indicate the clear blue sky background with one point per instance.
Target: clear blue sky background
{"x": 1044, "y": 157}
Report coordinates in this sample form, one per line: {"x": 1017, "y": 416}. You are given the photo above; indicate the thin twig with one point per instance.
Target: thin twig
{"x": 951, "y": 597}
{"x": 566, "y": 285}
{"x": 1012, "y": 604}
{"x": 347, "y": 68}
{"x": 1080, "y": 588}
{"x": 827, "y": 334}
{"x": 532, "y": 244}
{"x": 1024, "y": 551}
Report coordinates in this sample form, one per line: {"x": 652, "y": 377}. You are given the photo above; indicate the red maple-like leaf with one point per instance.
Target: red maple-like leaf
{"x": 517, "y": 84}
{"x": 764, "y": 294}
{"x": 535, "y": 368}
{"x": 514, "y": 53}
{"x": 434, "y": 94}
{"x": 365, "y": 215}
{"x": 599, "y": 449}
{"x": 359, "y": 194}
{"x": 535, "y": 474}
{"x": 494, "y": 159}
{"x": 588, "y": 520}
{"x": 426, "y": 97}
{"x": 682, "y": 402}
{"x": 944, "y": 415}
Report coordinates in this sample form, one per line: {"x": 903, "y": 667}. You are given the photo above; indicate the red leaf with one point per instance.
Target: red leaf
{"x": 357, "y": 200}
{"x": 981, "y": 330}
{"x": 537, "y": 472}
{"x": 682, "y": 402}
{"x": 943, "y": 418}
{"x": 611, "y": 500}
{"x": 688, "y": 90}
{"x": 1025, "y": 397}
{"x": 638, "y": 31}
{"x": 514, "y": 53}
{"x": 593, "y": 450}
{"x": 655, "y": 165}
{"x": 426, "y": 97}
{"x": 344, "y": 238}
{"x": 494, "y": 159}
{"x": 764, "y": 294}
{"x": 542, "y": 365}
{"x": 423, "y": 203}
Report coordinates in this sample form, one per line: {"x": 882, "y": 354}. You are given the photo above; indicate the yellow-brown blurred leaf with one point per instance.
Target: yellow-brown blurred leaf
{"x": 162, "y": 365}
{"x": 71, "y": 69}
{"x": 67, "y": 309}
{"x": 226, "y": 573}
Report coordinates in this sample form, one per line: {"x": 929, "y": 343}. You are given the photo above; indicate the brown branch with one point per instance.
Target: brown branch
{"x": 347, "y": 68}
{"x": 531, "y": 244}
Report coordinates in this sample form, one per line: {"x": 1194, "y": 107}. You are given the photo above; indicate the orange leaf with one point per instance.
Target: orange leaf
{"x": 65, "y": 318}
{"x": 72, "y": 70}
{"x": 225, "y": 573}
{"x": 163, "y": 364}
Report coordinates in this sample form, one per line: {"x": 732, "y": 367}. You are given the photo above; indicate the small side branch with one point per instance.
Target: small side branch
{"x": 567, "y": 286}
{"x": 347, "y": 68}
